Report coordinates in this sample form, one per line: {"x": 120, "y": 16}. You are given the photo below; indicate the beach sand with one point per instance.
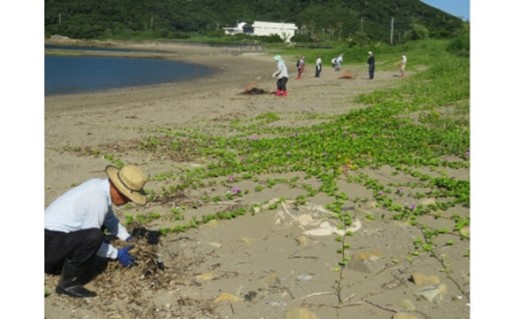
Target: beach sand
{"x": 263, "y": 265}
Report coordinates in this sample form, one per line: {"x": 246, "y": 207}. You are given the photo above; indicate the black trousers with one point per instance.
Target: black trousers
{"x": 318, "y": 70}
{"x": 282, "y": 83}
{"x": 78, "y": 247}
{"x": 371, "y": 71}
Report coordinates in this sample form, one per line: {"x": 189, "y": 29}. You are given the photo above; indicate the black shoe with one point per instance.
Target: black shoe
{"x": 70, "y": 284}
{"x": 77, "y": 291}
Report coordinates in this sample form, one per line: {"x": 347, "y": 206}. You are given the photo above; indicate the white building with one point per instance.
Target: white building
{"x": 235, "y": 30}
{"x": 262, "y": 28}
{"x": 284, "y": 30}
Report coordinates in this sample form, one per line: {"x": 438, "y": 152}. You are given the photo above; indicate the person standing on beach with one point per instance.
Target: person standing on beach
{"x": 372, "y": 63}
{"x": 74, "y": 238}
{"x": 318, "y": 67}
{"x": 300, "y": 67}
{"x": 402, "y": 65}
{"x": 338, "y": 62}
{"x": 282, "y": 74}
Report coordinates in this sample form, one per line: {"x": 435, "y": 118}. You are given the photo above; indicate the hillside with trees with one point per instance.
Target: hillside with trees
{"x": 317, "y": 20}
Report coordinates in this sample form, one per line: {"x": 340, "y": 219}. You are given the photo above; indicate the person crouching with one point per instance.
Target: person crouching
{"x": 74, "y": 224}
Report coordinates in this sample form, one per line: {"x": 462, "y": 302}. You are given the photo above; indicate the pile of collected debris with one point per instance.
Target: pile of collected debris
{"x": 252, "y": 89}
{"x": 128, "y": 292}
{"x": 348, "y": 75}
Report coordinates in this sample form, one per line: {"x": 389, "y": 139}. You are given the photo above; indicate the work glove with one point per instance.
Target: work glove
{"x": 125, "y": 258}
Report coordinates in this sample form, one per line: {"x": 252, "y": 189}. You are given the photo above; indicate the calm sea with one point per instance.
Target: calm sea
{"x": 77, "y": 74}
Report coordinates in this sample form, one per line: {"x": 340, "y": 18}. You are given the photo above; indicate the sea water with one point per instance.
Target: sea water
{"x": 79, "y": 73}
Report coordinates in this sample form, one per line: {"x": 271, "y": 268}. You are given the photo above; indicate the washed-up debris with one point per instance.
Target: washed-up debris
{"x": 326, "y": 229}
{"x": 252, "y": 89}
{"x": 155, "y": 271}
{"x": 313, "y": 218}
{"x": 256, "y": 91}
{"x": 226, "y": 298}
{"x": 422, "y": 280}
{"x": 465, "y": 232}
{"x": 214, "y": 244}
{"x": 406, "y": 304}
{"x": 205, "y": 277}
{"x": 247, "y": 240}
{"x": 433, "y": 294}
{"x": 304, "y": 277}
{"x": 302, "y": 240}
{"x": 250, "y": 296}
{"x": 300, "y": 313}
{"x": 430, "y": 287}
{"x": 348, "y": 75}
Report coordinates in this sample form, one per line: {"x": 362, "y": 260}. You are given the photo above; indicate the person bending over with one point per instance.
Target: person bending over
{"x": 75, "y": 223}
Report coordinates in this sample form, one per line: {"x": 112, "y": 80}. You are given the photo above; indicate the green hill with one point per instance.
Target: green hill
{"x": 317, "y": 20}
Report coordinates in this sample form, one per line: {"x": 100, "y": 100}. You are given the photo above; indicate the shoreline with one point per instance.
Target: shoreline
{"x": 195, "y": 71}
{"x": 229, "y": 66}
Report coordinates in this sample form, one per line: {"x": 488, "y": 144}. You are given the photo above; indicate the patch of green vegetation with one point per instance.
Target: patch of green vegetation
{"x": 142, "y": 218}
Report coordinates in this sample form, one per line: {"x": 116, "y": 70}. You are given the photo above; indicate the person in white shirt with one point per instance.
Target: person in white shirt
{"x": 74, "y": 222}
{"x": 283, "y": 76}
{"x": 338, "y": 62}
{"x": 318, "y": 67}
{"x": 402, "y": 65}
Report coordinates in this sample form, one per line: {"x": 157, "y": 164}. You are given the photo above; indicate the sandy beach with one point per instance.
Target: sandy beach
{"x": 270, "y": 264}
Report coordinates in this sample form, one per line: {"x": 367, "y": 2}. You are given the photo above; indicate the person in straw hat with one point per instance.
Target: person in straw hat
{"x": 402, "y": 65}
{"x": 74, "y": 221}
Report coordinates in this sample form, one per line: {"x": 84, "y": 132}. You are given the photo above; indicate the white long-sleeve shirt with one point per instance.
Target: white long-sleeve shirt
{"x": 85, "y": 206}
{"x": 281, "y": 69}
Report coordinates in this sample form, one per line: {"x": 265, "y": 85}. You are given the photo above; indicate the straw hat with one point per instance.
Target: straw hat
{"x": 129, "y": 181}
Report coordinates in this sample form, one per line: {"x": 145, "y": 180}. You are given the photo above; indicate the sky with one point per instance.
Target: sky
{"x": 458, "y": 8}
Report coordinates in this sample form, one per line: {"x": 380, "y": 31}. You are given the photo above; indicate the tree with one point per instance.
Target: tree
{"x": 417, "y": 32}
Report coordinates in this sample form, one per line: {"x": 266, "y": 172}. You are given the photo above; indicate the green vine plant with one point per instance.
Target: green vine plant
{"x": 429, "y": 246}
{"x": 346, "y": 220}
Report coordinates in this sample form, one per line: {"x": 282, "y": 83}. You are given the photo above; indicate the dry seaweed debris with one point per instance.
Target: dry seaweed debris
{"x": 133, "y": 292}
{"x": 252, "y": 89}
{"x": 348, "y": 75}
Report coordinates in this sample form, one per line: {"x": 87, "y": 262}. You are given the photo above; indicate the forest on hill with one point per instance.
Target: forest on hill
{"x": 317, "y": 20}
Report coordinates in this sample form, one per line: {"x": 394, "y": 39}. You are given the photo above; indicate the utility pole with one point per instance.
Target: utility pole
{"x": 392, "y": 31}
{"x": 361, "y": 25}
{"x": 59, "y": 18}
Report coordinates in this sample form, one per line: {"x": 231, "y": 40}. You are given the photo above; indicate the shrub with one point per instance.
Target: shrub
{"x": 417, "y": 32}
